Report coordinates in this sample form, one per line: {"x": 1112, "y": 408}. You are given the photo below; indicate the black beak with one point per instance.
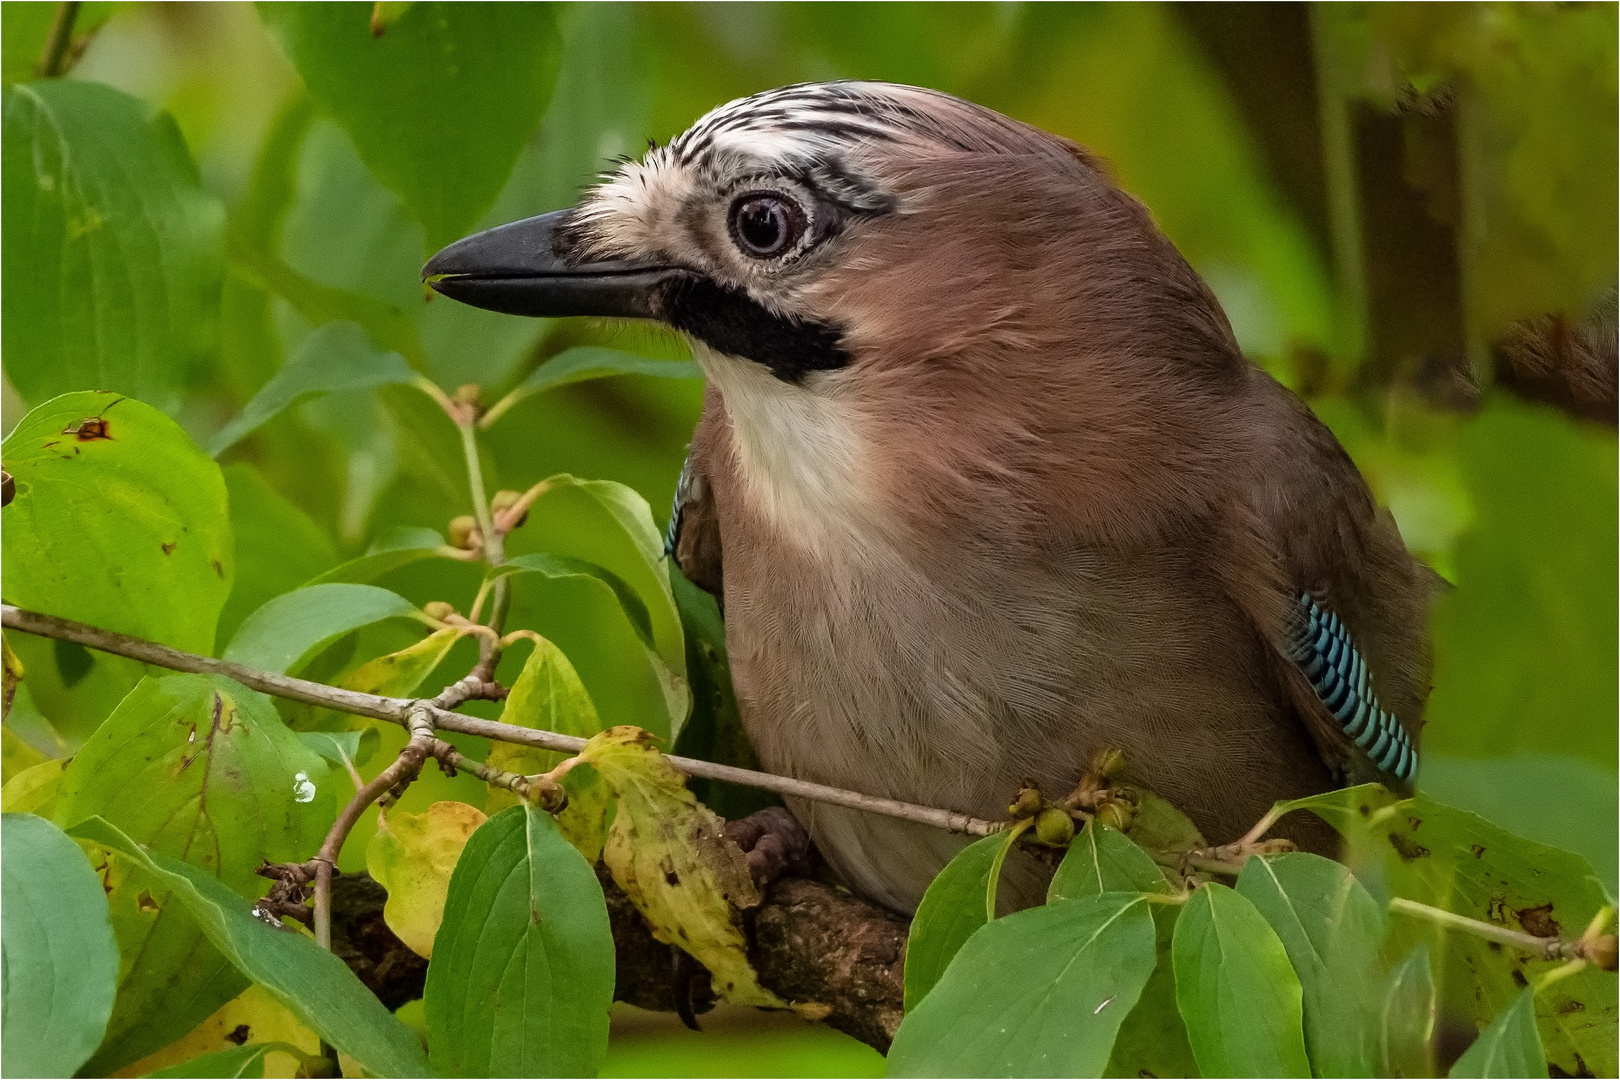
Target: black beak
{"x": 522, "y": 269}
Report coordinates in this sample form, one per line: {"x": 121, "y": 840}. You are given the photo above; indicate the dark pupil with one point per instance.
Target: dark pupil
{"x": 762, "y": 225}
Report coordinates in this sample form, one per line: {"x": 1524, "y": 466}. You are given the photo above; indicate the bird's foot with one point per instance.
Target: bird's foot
{"x": 775, "y": 844}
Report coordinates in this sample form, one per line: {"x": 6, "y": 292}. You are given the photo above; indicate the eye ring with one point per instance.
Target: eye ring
{"x": 765, "y": 224}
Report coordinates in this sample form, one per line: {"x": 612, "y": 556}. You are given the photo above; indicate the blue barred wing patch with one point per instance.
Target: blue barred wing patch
{"x": 1322, "y": 648}
{"x": 683, "y": 487}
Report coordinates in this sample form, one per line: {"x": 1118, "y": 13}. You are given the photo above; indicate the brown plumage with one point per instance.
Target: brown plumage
{"x": 1032, "y": 501}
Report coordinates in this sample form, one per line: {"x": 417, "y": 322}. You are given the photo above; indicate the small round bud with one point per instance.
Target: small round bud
{"x": 1107, "y": 763}
{"x": 1028, "y": 803}
{"x": 467, "y": 393}
{"x": 464, "y": 533}
{"x": 1116, "y": 814}
{"x": 1601, "y": 951}
{"x": 504, "y": 501}
{"x": 438, "y": 609}
{"x": 1054, "y": 827}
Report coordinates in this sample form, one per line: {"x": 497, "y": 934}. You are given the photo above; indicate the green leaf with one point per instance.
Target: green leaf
{"x": 563, "y": 566}
{"x": 343, "y": 748}
{"x": 308, "y": 981}
{"x": 440, "y": 105}
{"x": 1511, "y": 1046}
{"x": 714, "y": 731}
{"x": 960, "y": 899}
{"x": 1236, "y": 990}
{"x": 113, "y": 250}
{"x": 350, "y": 233}
{"x": 61, "y": 961}
{"x": 522, "y": 971}
{"x": 202, "y": 769}
{"x": 119, "y": 521}
{"x": 1331, "y": 928}
{"x": 1040, "y": 992}
{"x": 1153, "y": 1039}
{"x": 295, "y": 625}
{"x": 278, "y": 547}
{"x": 1406, "y": 1018}
{"x": 547, "y": 696}
{"x": 610, "y": 525}
{"x": 583, "y": 363}
{"x": 1102, "y": 859}
{"x": 1159, "y": 826}
{"x": 394, "y": 547}
{"x": 337, "y": 356}
{"x": 237, "y": 1061}
{"x": 1454, "y": 860}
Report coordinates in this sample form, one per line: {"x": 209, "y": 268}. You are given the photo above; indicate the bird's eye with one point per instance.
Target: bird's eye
{"x": 765, "y": 225}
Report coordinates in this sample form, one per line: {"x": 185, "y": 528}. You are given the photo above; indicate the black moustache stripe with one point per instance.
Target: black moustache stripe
{"x": 731, "y": 322}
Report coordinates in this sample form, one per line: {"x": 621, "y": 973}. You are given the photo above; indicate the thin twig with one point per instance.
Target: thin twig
{"x": 53, "y": 60}
{"x": 402, "y": 771}
{"x": 493, "y": 541}
{"x": 395, "y": 710}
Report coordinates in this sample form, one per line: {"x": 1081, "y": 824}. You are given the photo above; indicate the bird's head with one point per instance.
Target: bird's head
{"x": 796, "y": 226}
{"x": 921, "y": 260}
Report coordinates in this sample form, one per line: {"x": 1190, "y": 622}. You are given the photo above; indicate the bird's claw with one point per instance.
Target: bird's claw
{"x": 775, "y": 844}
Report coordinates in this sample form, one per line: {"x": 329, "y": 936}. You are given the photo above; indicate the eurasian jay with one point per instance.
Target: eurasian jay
{"x": 982, "y": 478}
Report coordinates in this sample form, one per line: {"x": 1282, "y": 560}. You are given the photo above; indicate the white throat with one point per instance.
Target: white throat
{"x": 803, "y": 461}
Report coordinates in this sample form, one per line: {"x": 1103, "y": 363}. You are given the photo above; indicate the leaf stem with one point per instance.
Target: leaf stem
{"x": 508, "y": 519}
{"x": 1549, "y": 948}
{"x": 497, "y": 410}
{"x": 53, "y": 60}
{"x": 493, "y": 539}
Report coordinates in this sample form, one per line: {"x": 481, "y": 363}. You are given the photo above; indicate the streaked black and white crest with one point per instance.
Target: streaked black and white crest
{"x": 763, "y": 194}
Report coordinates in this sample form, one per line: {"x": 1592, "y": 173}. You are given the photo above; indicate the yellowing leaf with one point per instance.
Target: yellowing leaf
{"x": 583, "y": 822}
{"x": 33, "y": 791}
{"x": 253, "y": 1016}
{"x": 412, "y": 856}
{"x": 666, "y": 851}
{"x": 16, "y": 756}
{"x": 399, "y": 674}
{"x": 548, "y": 696}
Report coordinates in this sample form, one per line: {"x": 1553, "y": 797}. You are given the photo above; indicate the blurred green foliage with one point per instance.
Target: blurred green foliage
{"x": 1375, "y": 192}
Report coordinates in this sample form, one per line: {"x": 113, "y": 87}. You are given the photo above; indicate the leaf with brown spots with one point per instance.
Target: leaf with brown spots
{"x": 94, "y": 535}
{"x": 203, "y": 770}
{"x": 667, "y": 852}
{"x": 1458, "y": 861}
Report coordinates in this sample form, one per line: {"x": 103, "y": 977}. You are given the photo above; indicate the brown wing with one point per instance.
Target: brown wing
{"x": 1347, "y": 606}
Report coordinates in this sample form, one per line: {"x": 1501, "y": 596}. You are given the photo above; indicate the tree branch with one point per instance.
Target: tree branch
{"x": 396, "y": 710}
{"x": 809, "y": 942}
